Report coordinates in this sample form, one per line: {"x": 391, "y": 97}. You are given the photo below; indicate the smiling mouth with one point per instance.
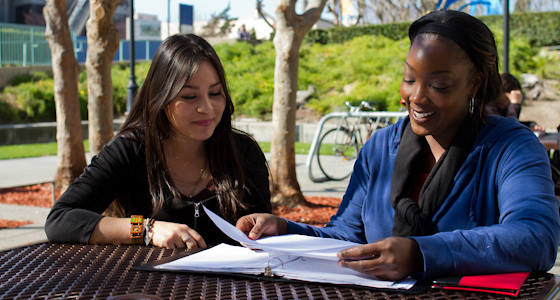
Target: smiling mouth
{"x": 421, "y": 115}
{"x": 204, "y": 122}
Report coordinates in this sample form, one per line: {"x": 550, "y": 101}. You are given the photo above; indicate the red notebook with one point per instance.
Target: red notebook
{"x": 506, "y": 284}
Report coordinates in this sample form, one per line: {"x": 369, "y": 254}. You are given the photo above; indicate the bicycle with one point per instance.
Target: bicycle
{"x": 338, "y": 148}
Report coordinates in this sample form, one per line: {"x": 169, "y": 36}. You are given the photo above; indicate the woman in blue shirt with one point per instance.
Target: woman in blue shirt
{"x": 448, "y": 190}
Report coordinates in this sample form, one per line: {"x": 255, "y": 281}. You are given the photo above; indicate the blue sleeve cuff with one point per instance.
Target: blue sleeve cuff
{"x": 438, "y": 260}
{"x": 299, "y": 228}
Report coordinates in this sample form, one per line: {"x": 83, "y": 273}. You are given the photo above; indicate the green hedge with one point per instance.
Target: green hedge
{"x": 394, "y": 31}
{"x": 30, "y": 98}
{"x": 541, "y": 29}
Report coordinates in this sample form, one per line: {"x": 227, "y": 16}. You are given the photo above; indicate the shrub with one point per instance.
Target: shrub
{"x": 250, "y": 76}
{"x": 320, "y": 36}
{"x": 33, "y": 100}
{"x": 8, "y": 112}
{"x": 31, "y": 77}
{"x": 366, "y": 68}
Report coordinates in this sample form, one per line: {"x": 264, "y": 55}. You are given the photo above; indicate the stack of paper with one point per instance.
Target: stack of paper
{"x": 289, "y": 256}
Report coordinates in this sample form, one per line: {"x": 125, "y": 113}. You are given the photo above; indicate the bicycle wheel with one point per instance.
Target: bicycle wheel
{"x": 337, "y": 153}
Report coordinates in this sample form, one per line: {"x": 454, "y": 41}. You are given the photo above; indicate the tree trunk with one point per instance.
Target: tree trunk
{"x": 71, "y": 156}
{"x": 103, "y": 42}
{"x": 291, "y": 29}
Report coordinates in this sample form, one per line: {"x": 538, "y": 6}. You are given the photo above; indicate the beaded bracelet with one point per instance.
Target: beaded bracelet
{"x": 149, "y": 224}
{"x": 136, "y": 229}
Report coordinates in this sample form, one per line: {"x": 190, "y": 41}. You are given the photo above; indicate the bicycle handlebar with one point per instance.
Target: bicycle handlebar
{"x": 359, "y": 107}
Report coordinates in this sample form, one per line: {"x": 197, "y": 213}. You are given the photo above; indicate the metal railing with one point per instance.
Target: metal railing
{"x": 378, "y": 117}
{"x": 24, "y": 45}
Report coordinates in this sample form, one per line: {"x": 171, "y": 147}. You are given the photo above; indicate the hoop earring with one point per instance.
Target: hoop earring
{"x": 471, "y": 106}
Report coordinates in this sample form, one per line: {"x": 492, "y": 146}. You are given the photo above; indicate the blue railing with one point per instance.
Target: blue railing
{"x": 144, "y": 50}
{"x": 23, "y": 45}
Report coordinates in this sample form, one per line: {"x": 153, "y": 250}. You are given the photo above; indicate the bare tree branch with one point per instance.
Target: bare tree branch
{"x": 334, "y": 7}
{"x": 264, "y": 15}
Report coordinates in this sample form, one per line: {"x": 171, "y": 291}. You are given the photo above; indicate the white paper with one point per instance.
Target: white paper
{"x": 225, "y": 258}
{"x": 236, "y": 259}
{"x": 295, "y": 244}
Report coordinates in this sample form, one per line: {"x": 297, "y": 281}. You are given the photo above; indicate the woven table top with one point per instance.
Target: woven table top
{"x": 64, "y": 271}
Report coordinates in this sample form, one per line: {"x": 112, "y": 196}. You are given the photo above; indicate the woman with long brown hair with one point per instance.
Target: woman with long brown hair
{"x": 176, "y": 151}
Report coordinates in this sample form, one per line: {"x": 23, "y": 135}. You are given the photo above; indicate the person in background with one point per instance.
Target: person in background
{"x": 176, "y": 151}
{"x": 242, "y": 34}
{"x": 448, "y": 190}
{"x": 509, "y": 104}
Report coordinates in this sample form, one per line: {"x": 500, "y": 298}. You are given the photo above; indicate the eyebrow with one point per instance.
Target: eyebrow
{"x": 197, "y": 88}
{"x": 436, "y": 72}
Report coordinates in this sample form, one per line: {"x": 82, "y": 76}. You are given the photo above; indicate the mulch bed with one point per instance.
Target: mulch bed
{"x": 33, "y": 195}
{"x": 5, "y": 224}
{"x": 317, "y": 211}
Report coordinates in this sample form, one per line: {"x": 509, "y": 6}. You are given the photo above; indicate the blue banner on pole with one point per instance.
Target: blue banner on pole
{"x": 186, "y": 18}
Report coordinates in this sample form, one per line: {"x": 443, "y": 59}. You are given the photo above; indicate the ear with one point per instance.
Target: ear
{"x": 476, "y": 82}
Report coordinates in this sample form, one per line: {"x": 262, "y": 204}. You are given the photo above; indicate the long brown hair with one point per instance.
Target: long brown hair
{"x": 175, "y": 62}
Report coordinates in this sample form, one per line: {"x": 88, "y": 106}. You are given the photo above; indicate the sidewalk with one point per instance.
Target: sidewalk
{"x": 28, "y": 171}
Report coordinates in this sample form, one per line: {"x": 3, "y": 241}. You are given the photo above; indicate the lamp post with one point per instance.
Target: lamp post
{"x": 131, "y": 87}
{"x": 168, "y": 17}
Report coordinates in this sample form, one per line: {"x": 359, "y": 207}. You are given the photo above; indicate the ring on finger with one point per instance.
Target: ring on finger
{"x": 185, "y": 239}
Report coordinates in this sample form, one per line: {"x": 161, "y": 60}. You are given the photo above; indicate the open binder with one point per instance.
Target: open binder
{"x": 294, "y": 270}
{"x": 285, "y": 257}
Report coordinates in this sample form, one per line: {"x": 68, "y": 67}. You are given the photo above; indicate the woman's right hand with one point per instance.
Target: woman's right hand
{"x": 259, "y": 225}
{"x": 173, "y": 235}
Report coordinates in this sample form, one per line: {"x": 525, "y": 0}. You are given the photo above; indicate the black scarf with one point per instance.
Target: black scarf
{"x": 411, "y": 218}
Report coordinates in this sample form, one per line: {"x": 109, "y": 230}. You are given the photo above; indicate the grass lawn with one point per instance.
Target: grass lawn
{"x": 47, "y": 149}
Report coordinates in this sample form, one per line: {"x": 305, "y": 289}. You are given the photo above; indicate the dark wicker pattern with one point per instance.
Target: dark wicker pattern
{"x": 60, "y": 271}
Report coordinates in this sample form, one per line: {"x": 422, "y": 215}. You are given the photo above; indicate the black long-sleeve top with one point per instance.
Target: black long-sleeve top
{"x": 119, "y": 172}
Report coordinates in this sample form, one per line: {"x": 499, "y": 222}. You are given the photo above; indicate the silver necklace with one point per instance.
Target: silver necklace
{"x": 197, "y": 182}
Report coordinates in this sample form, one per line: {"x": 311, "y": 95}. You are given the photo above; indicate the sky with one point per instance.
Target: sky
{"x": 203, "y": 9}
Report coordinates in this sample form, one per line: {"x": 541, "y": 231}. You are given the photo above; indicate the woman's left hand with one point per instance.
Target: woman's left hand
{"x": 392, "y": 258}
{"x": 173, "y": 235}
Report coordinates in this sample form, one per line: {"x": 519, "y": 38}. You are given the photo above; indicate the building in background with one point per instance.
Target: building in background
{"x": 146, "y": 27}
{"x": 30, "y": 12}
